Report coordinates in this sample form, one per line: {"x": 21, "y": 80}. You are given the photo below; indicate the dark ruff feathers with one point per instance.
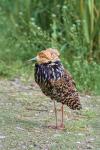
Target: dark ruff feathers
{"x": 57, "y": 83}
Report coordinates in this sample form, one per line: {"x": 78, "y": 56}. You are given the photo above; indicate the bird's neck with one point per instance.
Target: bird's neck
{"x": 49, "y": 71}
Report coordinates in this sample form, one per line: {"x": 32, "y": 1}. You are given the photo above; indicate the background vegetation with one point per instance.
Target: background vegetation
{"x": 72, "y": 26}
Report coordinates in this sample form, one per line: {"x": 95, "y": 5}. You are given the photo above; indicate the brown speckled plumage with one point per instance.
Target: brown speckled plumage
{"x": 57, "y": 83}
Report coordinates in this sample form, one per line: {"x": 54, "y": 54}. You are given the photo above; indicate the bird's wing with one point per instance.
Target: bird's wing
{"x": 64, "y": 91}
{"x": 68, "y": 77}
{"x": 64, "y": 85}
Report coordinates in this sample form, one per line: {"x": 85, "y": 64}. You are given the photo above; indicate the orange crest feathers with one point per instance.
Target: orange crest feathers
{"x": 48, "y": 55}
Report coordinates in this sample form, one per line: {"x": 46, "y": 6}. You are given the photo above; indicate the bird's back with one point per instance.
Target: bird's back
{"x": 57, "y": 83}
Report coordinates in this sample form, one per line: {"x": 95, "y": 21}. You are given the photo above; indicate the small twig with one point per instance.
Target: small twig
{"x": 37, "y": 109}
{"x": 18, "y": 91}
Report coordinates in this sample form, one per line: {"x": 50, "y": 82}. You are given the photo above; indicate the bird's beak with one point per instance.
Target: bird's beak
{"x": 33, "y": 59}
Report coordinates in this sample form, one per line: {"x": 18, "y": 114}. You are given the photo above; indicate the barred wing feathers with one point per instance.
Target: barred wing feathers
{"x": 57, "y": 83}
{"x": 64, "y": 91}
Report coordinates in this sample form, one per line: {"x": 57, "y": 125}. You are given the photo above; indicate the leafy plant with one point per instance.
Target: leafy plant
{"x": 90, "y": 16}
{"x": 27, "y": 26}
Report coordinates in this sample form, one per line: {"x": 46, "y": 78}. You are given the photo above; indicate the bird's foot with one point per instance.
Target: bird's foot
{"x": 58, "y": 127}
{"x": 52, "y": 126}
{"x": 61, "y": 126}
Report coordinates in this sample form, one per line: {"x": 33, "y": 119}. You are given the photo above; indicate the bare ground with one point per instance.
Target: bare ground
{"x": 25, "y": 113}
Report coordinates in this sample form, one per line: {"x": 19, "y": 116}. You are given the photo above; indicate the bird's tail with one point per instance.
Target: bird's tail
{"x": 73, "y": 102}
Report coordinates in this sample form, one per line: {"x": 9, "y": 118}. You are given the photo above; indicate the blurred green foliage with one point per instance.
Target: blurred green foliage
{"x": 28, "y": 26}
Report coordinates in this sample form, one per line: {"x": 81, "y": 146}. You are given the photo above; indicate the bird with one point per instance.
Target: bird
{"x": 56, "y": 82}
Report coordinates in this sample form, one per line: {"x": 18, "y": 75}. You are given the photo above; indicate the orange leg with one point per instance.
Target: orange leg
{"x": 62, "y": 116}
{"x": 61, "y": 126}
{"x": 55, "y": 110}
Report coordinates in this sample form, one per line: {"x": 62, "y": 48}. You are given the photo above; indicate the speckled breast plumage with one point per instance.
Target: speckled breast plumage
{"x": 57, "y": 83}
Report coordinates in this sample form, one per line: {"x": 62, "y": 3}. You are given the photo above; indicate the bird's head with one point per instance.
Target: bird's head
{"x": 45, "y": 56}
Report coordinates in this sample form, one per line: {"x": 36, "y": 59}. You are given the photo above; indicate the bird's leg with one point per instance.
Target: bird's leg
{"x": 61, "y": 126}
{"x": 62, "y": 111}
{"x": 55, "y": 110}
{"x": 62, "y": 117}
